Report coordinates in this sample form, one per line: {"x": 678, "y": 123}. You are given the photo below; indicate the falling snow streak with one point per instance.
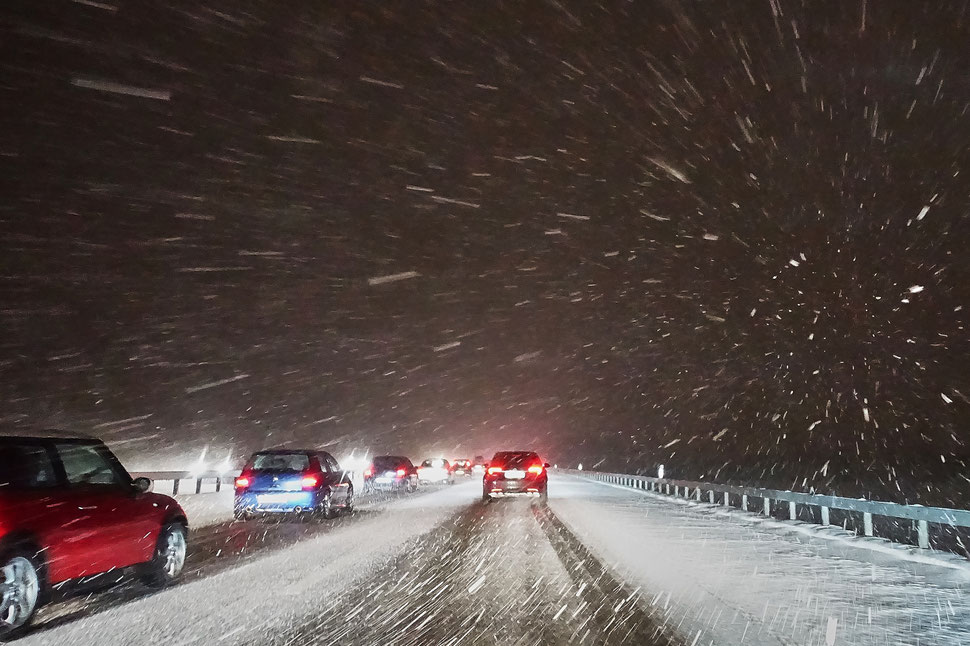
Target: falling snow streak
{"x": 118, "y": 88}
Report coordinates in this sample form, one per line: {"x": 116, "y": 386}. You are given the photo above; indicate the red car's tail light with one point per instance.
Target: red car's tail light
{"x": 536, "y": 469}
{"x": 493, "y": 470}
{"x": 242, "y": 482}
{"x": 368, "y": 472}
{"x": 310, "y": 481}
{"x": 401, "y": 473}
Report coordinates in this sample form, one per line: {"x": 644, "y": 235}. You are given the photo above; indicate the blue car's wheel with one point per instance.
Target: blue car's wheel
{"x": 325, "y": 506}
{"x": 349, "y": 504}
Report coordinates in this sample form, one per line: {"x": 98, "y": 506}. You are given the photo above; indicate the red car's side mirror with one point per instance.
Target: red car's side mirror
{"x": 142, "y": 485}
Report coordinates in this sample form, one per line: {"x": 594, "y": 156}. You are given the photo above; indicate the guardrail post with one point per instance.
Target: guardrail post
{"x": 727, "y": 499}
{"x": 668, "y": 489}
{"x": 744, "y": 502}
{"x": 825, "y": 515}
{"x": 710, "y": 496}
{"x": 924, "y": 534}
{"x": 198, "y": 485}
{"x": 791, "y": 511}
{"x": 867, "y": 523}
{"x": 218, "y": 484}
{"x": 676, "y": 491}
{"x": 697, "y": 493}
{"x": 175, "y": 487}
{"x": 767, "y": 506}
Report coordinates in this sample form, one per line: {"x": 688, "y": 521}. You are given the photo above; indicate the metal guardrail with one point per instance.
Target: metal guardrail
{"x": 176, "y": 477}
{"x": 719, "y": 493}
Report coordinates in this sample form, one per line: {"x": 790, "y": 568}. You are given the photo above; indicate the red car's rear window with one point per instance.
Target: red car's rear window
{"x": 25, "y": 466}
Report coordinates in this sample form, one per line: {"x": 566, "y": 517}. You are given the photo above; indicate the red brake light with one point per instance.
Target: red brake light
{"x": 242, "y": 482}
{"x": 536, "y": 469}
{"x": 310, "y": 482}
{"x": 493, "y": 470}
{"x": 368, "y": 472}
{"x": 401, "y": 473}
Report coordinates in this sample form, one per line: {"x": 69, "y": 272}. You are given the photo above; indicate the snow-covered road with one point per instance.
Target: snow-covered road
{"x": 600, "y": 565}
{"x": 734, "y": 578}
{"x": 230, "y": 597}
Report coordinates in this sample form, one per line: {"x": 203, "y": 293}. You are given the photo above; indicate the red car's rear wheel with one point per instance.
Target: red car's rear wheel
{"x": 20, "y": 582}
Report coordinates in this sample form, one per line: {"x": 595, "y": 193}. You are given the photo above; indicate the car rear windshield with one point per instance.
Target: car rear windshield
{"x": 389, "y": 462}
{"x": 25, "y": 466}
{"x": 515, "y": 459}
{"x": 280, "y": 462}
{"x": 435, "y": 464}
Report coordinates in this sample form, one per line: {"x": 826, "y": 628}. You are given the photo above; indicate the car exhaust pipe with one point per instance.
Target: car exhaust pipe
{"x": 298, "y": 509}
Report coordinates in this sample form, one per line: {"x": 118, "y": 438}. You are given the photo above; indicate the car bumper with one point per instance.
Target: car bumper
{"x": 386, "y": 483}
{"x": 514, "y": 488}
{"x": 277, "y": 502}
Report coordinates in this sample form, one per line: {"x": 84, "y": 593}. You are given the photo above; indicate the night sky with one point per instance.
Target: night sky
{"x": 729, "y": 237}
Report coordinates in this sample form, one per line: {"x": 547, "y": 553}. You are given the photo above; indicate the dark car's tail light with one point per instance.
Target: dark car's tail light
{"x": 310, "y": 481}
{"x": 368, "y": 472}
{"x": 493, "y": 470}
{"x": 242, "y": 482}
{"x": 536, "y": 469}
{"x": 401, "y": 473}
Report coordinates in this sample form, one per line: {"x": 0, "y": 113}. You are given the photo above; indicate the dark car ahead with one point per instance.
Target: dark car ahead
{"x": 515, "y": 473}
{"x": 68, "y": 509}
{"x": 292, "y": 481}
{"x": 479, "y": 464}
{"x": 392, "y": 472}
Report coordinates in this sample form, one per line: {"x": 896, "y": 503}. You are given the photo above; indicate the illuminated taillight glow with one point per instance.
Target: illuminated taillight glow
{"x": 368, "y": 472}
{"x": 242, "y": 482}
{"x": 493, "y": 470}
{"x": 401, "y": 473}
{"x": 536, "y": 469}
{"x": 310, "y": 482}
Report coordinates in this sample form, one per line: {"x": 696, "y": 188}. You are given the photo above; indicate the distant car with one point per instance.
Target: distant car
{"x": 436, "y": 470}
{"x": 479, "y": 464}
{"x": 513, "y": 473}
{"x": 292, "y": 481}
{"x": 461, "y": 467}
{"x": 68, "y": 509}
{"x": 393, "y": 472}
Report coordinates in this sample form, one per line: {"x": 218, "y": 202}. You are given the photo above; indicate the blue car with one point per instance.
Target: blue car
{"x": 294, "y": 482}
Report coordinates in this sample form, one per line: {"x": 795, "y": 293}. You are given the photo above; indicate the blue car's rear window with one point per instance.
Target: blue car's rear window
{"x": 280, "y": 462}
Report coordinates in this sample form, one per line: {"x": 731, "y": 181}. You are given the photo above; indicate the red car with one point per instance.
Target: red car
{"x": 68, "y": 509}
{"x": 461, "y": 467}
{"x": 515, "y": 473}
